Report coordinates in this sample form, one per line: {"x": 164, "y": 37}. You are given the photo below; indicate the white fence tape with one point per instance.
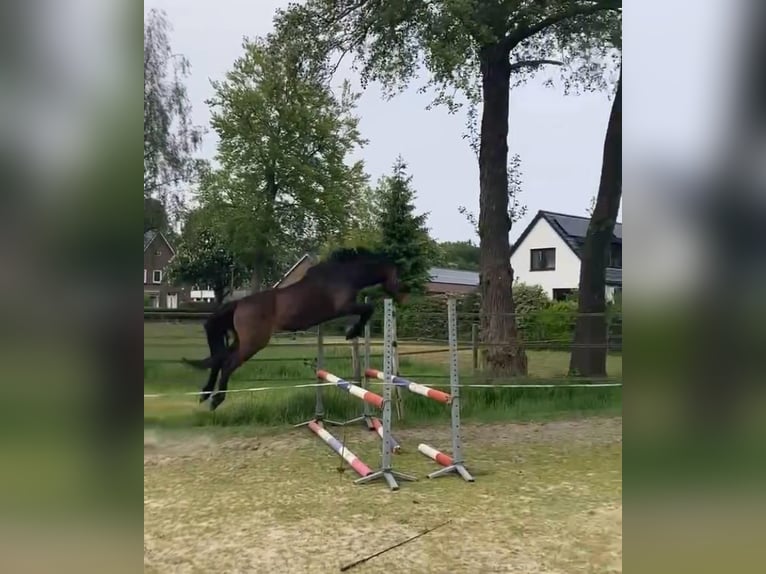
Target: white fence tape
{"x": 312, "y": 385}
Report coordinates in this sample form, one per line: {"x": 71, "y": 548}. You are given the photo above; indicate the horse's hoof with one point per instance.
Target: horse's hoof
{"x": 215, "y": 401}
{"x": 203, "y": 397}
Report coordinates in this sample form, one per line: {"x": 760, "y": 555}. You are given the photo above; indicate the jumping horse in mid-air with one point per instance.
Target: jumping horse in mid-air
{"x": 327, "y": 291}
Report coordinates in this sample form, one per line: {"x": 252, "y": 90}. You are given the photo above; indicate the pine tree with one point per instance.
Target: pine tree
{"x": 404, "y": 235}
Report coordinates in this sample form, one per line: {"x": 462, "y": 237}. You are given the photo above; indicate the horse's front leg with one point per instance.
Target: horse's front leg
{"x": 364, "y": 310}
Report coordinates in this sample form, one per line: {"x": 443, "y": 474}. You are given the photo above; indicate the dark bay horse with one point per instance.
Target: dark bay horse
{"x": 328, "y": 290}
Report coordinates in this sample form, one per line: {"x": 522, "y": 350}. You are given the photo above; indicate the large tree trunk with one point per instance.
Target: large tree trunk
{"x": 256, "y": 278}
{"x": 505, "y": 354}
{"x": 588, "y": 357}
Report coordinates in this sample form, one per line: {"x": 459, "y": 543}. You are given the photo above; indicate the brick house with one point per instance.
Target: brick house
{"x": 158, "y": 253}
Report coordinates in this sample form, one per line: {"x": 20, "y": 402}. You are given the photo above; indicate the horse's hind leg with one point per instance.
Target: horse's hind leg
{"x": 217, "y": 344}
{"x": 230, "y": 364}
{"x": 364, "y": 310}
{"x": 207, "y": 390}
{"x": 218, "y": 365}
{"x": 233, "y": 361}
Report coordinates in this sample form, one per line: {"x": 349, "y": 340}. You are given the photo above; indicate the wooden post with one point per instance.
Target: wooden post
{"x": 475, "y": 345}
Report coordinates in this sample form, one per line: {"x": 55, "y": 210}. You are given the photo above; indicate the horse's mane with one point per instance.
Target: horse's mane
{"x": 349, "y": 255}
{"x": 353, "y": 254}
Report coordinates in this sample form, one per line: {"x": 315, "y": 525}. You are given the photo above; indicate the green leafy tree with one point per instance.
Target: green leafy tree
{"x": 155, "y": 216}
{"x": 474, "y": 52}
{"x": 459, "y": 255}
{"x": 203, "y": 259}
{"x": 362, "y": 224}
{"x": 284, "y": 185}
{"x": 170, "y": 139}
{"x": 404, "y": 235}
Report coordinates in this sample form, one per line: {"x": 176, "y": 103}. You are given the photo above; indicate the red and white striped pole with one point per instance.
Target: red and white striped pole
{"x": 359, "y": 392}
{"x": 361, "y": 468}
{"x": 434, "y": 454}
{"x": 395, "y": 446}
{"x": 413, "y": 387}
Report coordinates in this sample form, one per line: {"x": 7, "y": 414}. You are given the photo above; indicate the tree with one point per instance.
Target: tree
{"x": 404, "y": 235}
{"x": 283, "y": 186}
{"x": 170, "y": 139}
{"x": 458, "y": 255}
{"x": 155, "y": 216}
{"x": 203, "y": 259}
{"x": 474, "y": 49}
{"x": 588, "y": 356}
{"x": 516, "y": 210}
{"x": 362, "y": 224}
{"x": 591, "y": 206}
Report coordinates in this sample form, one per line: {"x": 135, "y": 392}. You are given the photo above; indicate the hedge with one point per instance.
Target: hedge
{"x": 541, "y": 322}
{"x": 545, "y": 323}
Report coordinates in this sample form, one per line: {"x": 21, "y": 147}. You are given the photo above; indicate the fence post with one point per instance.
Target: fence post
{"x": 475, "y": 345}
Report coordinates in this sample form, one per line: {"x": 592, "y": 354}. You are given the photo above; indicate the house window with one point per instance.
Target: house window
{"x": 157, "y": 276}
{"x": 542, "y": 259}
{"x": 562, "y": 294}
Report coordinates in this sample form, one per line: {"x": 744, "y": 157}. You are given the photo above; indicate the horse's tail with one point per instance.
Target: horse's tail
{"x": 216, "y": 328}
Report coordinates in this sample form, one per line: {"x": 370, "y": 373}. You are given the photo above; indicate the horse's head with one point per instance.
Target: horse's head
{"x": 391, "y": 284}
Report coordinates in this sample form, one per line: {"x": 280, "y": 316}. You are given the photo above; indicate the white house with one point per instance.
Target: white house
{"x": 547, "y": 253}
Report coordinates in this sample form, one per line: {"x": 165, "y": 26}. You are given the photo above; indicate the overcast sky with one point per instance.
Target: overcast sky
{"x": 559, "y": 137}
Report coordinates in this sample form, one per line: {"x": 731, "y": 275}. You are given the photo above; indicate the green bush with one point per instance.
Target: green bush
{"x": 529, "y": 298}
{"x": 528, "y": 301}
{"x": 539, "y": 319}
{"x": 553, "y": 325}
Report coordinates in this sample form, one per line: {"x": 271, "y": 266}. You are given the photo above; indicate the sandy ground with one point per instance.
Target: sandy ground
{"x": 547, "y": 498}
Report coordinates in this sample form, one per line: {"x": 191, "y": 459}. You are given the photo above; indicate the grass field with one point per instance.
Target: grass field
{"x": 287, "y": 362}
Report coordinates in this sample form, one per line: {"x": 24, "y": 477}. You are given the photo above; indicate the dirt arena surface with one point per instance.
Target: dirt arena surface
{"x": 547, "y": 498}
